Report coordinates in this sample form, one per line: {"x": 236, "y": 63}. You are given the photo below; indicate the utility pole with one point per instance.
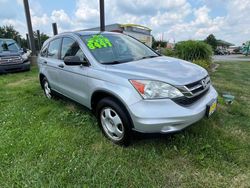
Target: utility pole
{"x": 102, "y": 16}
{"x": 29, "y": 25}
{"x": 54, "y": 26}
{"x": 38, "y": 39}
{"x": 28, "y": 41}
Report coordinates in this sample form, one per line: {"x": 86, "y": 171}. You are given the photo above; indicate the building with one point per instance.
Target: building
{"x": 223, "y": 44}
{"x": 139, "y": 32}
{"x": 170, "y": 45}
{"x": 224, "y": 48}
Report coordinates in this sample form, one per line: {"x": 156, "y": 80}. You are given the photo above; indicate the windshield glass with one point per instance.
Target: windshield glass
{"x": 8, "y": 45}
{"x": 116, "y": 48}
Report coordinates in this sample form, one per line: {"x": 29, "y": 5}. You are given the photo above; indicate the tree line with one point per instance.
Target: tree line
{"x": 211, "y": 40}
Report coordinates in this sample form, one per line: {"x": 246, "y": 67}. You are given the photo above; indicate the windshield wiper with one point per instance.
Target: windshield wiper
{"x": 117, "y": 62}
{"x": 10, "y": 44}
{"x": 148, "y": 57}
{"x": 112, "y": 62}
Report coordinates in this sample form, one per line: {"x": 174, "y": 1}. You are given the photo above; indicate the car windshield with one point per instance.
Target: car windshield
{"x": 116, "y": 48}
{"x": 8, "y": 45}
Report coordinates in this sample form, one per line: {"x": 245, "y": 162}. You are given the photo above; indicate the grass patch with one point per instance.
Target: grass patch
{"x": 58, "y": 143}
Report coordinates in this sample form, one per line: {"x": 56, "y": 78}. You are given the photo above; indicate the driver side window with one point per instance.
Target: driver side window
{"x": 71, "y": 48}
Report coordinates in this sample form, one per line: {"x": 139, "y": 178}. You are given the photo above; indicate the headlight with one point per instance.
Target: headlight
{"x": 150, "y": 89}
{"x": 24, "y": 57}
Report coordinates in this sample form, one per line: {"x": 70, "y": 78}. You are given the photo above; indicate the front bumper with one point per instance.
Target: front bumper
{"x": 15, "y": 67}
{"x": 164, "y": 116}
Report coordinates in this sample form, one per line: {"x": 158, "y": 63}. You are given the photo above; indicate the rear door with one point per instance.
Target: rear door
{"x": 42, "y": 60}
{"x": 52, "y": 62}
{"x": 73, "y": 79}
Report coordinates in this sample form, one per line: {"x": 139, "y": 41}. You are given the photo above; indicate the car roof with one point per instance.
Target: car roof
{"x": 79, "y": 33}
{"x": 85, "y": 33}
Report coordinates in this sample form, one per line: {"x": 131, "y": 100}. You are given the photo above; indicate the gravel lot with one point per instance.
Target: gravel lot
{"x": 237, "y": 57}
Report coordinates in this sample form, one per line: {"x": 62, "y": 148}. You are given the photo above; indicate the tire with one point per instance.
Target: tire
{"x": 47, "y": 89}
{"x": 114, "y": 121}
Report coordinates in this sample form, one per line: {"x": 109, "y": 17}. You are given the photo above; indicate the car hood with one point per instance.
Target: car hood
{"x": 171, "y": 70}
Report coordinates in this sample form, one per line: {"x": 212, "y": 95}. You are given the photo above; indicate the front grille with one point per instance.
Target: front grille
{"x": 184, "y": 101}
{"x": 198, "y": 87}
{"x": 193, "y": 91}
{"x": 8, "y": 60}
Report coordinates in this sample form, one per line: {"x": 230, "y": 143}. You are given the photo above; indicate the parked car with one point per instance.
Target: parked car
{"x": 12, "y": 57}
{"x": 220, "y": 51}
{"x": 126, "y": 84}
{"x": 234, "y": 49}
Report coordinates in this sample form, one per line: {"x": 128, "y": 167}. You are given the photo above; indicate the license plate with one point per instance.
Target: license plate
{"x": 211, "y": 108}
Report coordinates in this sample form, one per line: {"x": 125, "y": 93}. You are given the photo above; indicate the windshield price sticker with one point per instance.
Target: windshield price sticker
{"x": 98, "y": 41}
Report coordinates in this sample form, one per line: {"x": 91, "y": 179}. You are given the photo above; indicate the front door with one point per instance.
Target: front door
{"x": 73, "y": 80}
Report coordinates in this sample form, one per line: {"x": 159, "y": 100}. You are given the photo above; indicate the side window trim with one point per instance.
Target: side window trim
{"x": 72, "y": 38}
{"x": 59, "y": 49}
{"x": 64, "y": 37}
{"x": 45, "y": 47}
{"x": 74, "y": 41}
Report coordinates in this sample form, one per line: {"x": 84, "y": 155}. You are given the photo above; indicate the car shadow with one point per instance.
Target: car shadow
{"x": 137, "y": 137}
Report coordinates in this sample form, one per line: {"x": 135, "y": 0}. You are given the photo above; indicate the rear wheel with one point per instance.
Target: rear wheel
{"x": 47, "y": 89}
{"x": 114, "y": 121}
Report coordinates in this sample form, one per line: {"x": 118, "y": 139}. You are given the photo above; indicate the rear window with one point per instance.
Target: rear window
{"x": 54, "y": 47}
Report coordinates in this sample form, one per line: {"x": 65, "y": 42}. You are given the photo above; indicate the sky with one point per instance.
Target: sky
{"x": 174, "y": 20}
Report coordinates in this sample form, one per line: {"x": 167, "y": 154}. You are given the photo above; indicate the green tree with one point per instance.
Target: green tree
{"x": 43, "y": 38}
{"x": 211, "y": 40}
{"x": 8, "y": 31}
{"x": 23, "y": 43}
{"x": 158, "y": 43}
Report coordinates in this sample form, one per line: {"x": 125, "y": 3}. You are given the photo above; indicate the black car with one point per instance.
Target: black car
{"x": 12, "y": 57}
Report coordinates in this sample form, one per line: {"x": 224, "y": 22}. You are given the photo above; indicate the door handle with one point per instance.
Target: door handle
{"x": 61, "y": 65}
{"x": 45, "y": 62}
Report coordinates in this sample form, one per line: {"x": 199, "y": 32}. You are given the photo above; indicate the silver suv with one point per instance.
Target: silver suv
{"x": 125, "y": 83}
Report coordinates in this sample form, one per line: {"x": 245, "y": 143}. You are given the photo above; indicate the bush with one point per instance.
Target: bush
{"x": 167, "y": 52}
{"x": 193, "y": 50}
{"x": 203, "y": 63}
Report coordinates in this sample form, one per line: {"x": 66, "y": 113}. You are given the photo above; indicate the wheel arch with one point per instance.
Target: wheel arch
{"x": 41, "y": 77}
{"x": 101, "y": 94}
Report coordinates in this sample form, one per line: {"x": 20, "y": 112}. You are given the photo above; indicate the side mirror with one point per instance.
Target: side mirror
{"x": 74, "y": 60}
{"x": 24, "y": 50}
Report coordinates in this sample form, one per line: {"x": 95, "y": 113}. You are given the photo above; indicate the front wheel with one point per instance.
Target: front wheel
{"x": 114, "y": 121}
